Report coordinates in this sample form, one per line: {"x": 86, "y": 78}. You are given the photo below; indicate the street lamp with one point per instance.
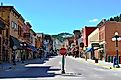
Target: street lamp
{"x": 23, "y": 45}
{"x": 116, "y": 38}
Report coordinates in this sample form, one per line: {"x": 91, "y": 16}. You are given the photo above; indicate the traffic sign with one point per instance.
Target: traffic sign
{"x": 63, "y": 51}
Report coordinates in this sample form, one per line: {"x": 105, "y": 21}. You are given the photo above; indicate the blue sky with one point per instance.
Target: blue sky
{"x": 55, "y": 16}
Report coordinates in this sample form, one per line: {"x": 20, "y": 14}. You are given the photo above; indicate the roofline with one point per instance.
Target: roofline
{"x": 28, "y": 24}
{"x": 13, "y": 9}
{"x": 90, "y": 26}
{"x": 33, "y": 32}
{"x": 76, "y": 31}
{"x": 22, "y": 17}
{"x": 101, "y": 24}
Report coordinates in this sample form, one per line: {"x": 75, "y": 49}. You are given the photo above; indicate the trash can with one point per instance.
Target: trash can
{"x": 111, "y": 59}
{"x": 96, "y": 60}
{"x": 108, "y": 58}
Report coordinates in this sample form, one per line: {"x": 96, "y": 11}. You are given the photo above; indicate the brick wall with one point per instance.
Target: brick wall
{"x": 106, "y": 32}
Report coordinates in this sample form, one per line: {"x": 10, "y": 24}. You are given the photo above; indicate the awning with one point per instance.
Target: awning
{"x": 89, "y": 49}
{"x": 33, "y": 48}
{"x": 14, "y": 42}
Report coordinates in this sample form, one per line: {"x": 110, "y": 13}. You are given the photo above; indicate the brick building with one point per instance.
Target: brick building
{"x": 11, "y": 17}
{"x": 16, "y": 31}
{"x": 103, "y": 35}
{"x": 106, "y": 32}
{"x": 3, "y": 40}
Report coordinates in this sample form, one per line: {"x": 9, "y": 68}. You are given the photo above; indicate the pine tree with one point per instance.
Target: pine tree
{"x": 120, "y": 18}
{"x": 111, "y": 19}
{"x": 117, "y": 19}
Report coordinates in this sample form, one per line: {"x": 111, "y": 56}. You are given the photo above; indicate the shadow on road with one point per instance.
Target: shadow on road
{"x": 36, "y": 71}
{"x": 32, "y": 72}
{"x": 40, "y": 61}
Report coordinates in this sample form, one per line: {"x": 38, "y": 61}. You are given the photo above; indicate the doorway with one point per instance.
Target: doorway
{"x": 0, "y": 48}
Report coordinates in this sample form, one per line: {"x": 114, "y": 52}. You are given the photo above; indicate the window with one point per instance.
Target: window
{"x": 14, "y": 25}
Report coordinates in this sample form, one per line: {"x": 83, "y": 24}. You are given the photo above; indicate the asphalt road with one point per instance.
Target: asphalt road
{"x": 51, "y": 70}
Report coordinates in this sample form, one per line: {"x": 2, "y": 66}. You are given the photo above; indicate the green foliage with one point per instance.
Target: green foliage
{"x": 117, "y": 18}
{"x": 111, "y": 19}
{"x": 120, "y": 18}
{"x": 61, "y": 36}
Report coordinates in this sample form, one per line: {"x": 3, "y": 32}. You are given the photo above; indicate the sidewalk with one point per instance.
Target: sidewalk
{"x": 19, "y": 65}
{"x": 103, "y": 64}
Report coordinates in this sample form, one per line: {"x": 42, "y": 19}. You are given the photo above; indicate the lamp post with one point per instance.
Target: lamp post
{"x": 116, "y": 38}
{"x": 23, "y": 45}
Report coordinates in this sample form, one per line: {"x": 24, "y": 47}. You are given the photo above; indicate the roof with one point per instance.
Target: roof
{"x": 76, "y": 31}
{"x": 22, "y": 18}
{"x": 33, "y": 31}
{"x": 12, "y": 9}
{"x": 90, "y": 26}
{"x": 28, "y": 24}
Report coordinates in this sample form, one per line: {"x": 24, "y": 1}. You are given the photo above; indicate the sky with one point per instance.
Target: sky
{"x": 56, "y": 16}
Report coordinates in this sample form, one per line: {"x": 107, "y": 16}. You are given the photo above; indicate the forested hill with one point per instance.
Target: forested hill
{"x": 62, "y": 36}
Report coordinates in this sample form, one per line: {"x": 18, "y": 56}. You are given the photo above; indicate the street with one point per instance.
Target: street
{"x": 76, "y": 69}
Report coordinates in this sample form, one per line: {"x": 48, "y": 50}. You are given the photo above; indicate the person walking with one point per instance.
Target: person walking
{"x": 114, "y": 61}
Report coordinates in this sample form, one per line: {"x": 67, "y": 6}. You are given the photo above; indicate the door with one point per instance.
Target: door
{"x": 0, "y": 48}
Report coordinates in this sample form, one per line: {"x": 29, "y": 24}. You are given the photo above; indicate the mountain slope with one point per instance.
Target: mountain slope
{"x": 62, "y": 36}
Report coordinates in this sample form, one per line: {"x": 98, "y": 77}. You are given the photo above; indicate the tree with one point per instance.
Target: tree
{"x": 120, "y": 18}
{"x": 61, "y": 36}
{"x": 117, "y": 19}
{"x": 111, "y": 19}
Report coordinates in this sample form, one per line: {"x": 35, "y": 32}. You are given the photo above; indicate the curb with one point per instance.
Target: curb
{"x": 101, "y": 65}
{"x": 104, "y": 66}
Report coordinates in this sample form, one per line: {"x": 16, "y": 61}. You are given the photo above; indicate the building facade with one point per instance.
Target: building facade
{"x": 16, "y": 31}
{"x": 39, "y": 40}
{"x": 106, "y": 32}
{"x": 86, "y": 31}
{"x": 4, "y": 41}
{"x": 10, "y": 15}
{"x": 93, "y": 39}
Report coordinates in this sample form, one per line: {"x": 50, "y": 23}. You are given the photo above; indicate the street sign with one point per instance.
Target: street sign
{"x": 63, "y": 51}
{"x": 95, "y": 45}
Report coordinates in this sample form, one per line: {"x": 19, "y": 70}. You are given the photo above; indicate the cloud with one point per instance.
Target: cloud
{"x": 93, "y": 20}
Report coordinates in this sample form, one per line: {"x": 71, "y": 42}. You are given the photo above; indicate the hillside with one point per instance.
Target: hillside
{"x": 62, "y": 36}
